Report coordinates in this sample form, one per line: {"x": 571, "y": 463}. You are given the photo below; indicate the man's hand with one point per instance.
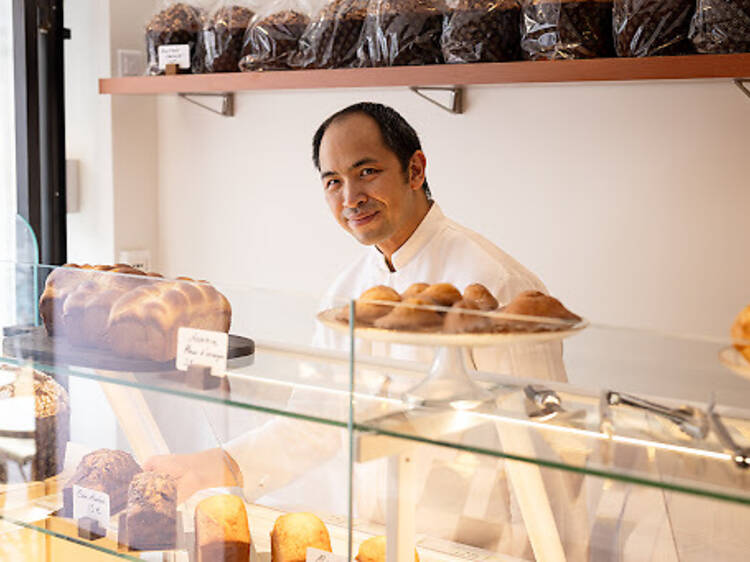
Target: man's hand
{"x": 197, "y": 471}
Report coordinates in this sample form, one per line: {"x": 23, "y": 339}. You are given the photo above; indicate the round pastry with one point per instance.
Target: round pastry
{"x": 373, "y": 550}
{"x": 461, "y": 320}
{"x": 741, "y": 331}
{"x": 534, "y": 303}
{"x": 444, "y": 294}
{"x": 478, "y": 295}
{"x": 370, "y": 311}
{"x": 408, "y": 316}
{"x": 414, "y": 289}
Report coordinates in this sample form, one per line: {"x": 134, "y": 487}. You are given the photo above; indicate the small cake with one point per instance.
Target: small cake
{"x": 567, "y": 29}
{"x": 221, "y": 530}
{"x": 479, "y": 296}
{"x": 178, "y": 24}
{"x": 444, "y": 294}
{"x": 537, "y": 304}
{"x": 652, "y": 27}
{"x": 151, "y": 514}
{"x": 402, "y": 32}
{"x": 332, "y": 40}
{"x": 461, "y": 320}
{"x": 373, "y": 550}
{"x": 414, "y": 290}
{"x": 52, "y": 420}
{"x": 294, "y": 533}
{"x": 741, "y": 331}
{"x": 223, "y": 36}
{"x": 271, "y": 42}
{"x": 482, "y": 31}
{"x": 104, "y": 470}
{"x": 368, "y": 312}
{"x": 408, "y": 315}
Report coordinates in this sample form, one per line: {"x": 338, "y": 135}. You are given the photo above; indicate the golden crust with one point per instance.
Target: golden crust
{"x": 444, "y": 294}
{"x": 409, "y": 315}
{"x": 414, "y": 290}
{"x": 221, "y": 519}
{"x": 294, "y": 533}
{"x": 478, "y": 295}
{"x": 373, "y": 550}
{"x": 460, "y": 320}
{"x": 370, "y": 311}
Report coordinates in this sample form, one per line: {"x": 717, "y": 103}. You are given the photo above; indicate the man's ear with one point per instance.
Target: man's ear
{"x": 417, "y": 167}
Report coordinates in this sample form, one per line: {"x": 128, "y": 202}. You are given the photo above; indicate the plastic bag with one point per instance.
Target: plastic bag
{"x": 333, "y": 37}
{"x": 721, "y": 26}
{"x": 402, "y": 32}
{"x": 566, "y": 29}
{"x": 273, "y": 37}
{"x": 482, "y": 31}
{"x": 652, "y": 27}
{"x": 224, "y": 33}
{"x": 177, "y": 23}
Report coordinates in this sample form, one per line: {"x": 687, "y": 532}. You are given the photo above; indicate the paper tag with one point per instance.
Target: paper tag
{"x": 202, "y": 347}
{"x": 315, "y": 555}
{"x": 90, "y": 503}
{"x": 174, "y": 54}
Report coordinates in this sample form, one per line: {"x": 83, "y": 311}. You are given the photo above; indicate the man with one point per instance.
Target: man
{"x": 372, "y": 170}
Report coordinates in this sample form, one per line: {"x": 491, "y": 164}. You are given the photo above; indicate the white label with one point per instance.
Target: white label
{"x": 202, "y": 347}
{"x": 315, "y": 555}
{"x": 90, "y": 503}
{"x": 174, "y": 54}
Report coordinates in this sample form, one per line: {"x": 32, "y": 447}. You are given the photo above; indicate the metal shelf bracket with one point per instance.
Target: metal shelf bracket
{"x": 456, "y": 98}
{"x": 740, "y": 83}
{"x": 227, "y": 102}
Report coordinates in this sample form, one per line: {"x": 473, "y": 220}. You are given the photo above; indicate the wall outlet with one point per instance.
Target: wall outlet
{"x": 130, "y": 62}
{"x": 140, "y": 259}
{"x": 72, "y": 186}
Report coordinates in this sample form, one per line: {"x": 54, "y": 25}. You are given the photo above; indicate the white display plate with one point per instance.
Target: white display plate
{"x": 735, "y": 361}
{"x": 438, "y": 338}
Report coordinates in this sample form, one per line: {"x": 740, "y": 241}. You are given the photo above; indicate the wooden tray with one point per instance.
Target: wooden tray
{"x": 34, "y": 343}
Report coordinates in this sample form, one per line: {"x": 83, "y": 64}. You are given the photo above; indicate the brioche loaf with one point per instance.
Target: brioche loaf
{"x": 221, "y": 530}
{"x": 294, "y": 533}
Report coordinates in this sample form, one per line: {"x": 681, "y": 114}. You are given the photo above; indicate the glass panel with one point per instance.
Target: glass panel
{"x": 518, "y": 404}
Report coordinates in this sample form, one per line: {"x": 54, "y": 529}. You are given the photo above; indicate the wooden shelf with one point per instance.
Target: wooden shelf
{"x": 651, "y": 68}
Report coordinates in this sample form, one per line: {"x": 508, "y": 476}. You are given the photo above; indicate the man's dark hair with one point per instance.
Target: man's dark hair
{"x": 398, "y": 135}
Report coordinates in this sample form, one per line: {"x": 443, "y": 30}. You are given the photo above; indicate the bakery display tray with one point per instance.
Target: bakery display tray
{"x": 33, "y": 343}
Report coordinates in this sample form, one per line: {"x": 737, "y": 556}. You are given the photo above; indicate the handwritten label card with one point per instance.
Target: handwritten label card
{"x": 91, "y": 504}
{"x": 315, "y": 555}
{"x": 174, "y": 54}
{"x": 202, "y": 347}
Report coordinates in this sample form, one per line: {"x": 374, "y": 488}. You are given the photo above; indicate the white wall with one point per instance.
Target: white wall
{"x": 629, "y": 200}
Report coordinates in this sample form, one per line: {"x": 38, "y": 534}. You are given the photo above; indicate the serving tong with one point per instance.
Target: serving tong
{"x": 546, "y": 405}
{"x": 740, "y": 455}
{"x": 689, "y": 420}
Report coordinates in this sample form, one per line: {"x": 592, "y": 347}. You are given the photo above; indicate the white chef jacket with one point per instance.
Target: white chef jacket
{"x": 465, "y": 497}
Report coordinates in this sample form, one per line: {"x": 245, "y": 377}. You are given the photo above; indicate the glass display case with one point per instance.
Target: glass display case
{"x": 138, "y": 422}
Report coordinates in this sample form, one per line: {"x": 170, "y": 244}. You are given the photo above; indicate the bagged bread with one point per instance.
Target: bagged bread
{"x": 652, "y": 27}
{"x": 721, "y": 26}
{"x": 482, "y": 31}
{"x": 223, "y": 35}
{"x": 176, "y": 24}
{"x": 566, "y": 29}
{"x": 333, "y": 37}
{"x": 272, "y": 39}
{"x": 402, "y": 32}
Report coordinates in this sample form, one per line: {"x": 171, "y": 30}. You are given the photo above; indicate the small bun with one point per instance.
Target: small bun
{"x": 444, "y": 294}
{"x": 408, "y": 315}
{"x": 365, "y": 311}
{"x": 462, "y": 318}
{"x": 414, "y": 290}
{"x": 478, "y": 295}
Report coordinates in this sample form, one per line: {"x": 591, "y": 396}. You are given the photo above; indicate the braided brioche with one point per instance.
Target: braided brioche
{"x": 123, "y": 309}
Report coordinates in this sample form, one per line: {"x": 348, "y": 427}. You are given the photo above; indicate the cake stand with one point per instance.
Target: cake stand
{"x": 448, "y": 381}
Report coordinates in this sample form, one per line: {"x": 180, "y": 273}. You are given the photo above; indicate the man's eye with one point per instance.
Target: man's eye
{"x": 330, "y": 184}
{"x": 368, "y": 171}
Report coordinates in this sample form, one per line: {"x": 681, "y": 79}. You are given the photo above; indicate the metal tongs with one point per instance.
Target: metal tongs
{"x": 547, "y": 405}
{"x": 740, "y": 455}
{"x": 691, "y": 421}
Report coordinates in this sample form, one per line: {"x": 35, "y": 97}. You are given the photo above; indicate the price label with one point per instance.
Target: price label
{"x": 174, "y": 54}
{"x": 92, "y": 504}
{"x": 315, "y": 555}
{"x": 202, "y": 347}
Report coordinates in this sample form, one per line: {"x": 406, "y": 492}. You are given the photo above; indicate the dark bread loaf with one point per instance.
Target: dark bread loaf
{"x": 151, "y": 514}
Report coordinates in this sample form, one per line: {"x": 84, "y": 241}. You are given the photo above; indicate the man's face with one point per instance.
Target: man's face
{"x": 364, "y": 183}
